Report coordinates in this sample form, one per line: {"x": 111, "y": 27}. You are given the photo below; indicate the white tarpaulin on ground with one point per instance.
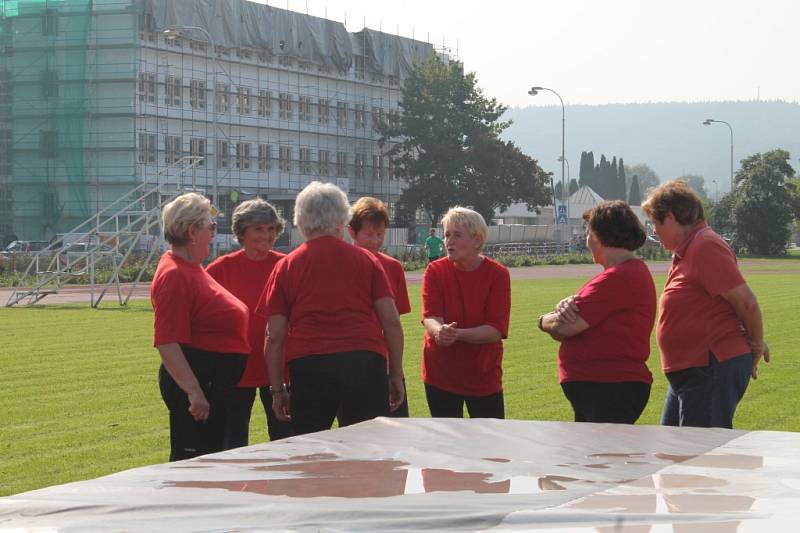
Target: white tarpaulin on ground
{"x": 410, "y": 474}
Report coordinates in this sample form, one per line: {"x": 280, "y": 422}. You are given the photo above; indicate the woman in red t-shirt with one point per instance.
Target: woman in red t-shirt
{"x": 200, "y": 331}
{"x": 331, "y": 314}
{"x": 244, "y": 273}
{"x": 367, "y": 228}
{"x": 710, "y": 331}
{"x": 466, "y": 303}
{"x": 605, "y": 329}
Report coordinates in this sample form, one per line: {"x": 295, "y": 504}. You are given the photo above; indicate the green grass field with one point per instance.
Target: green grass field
{"x": 79, "y": 394}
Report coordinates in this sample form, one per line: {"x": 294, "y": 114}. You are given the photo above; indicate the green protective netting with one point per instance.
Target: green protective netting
{"x": 49, "y": 69}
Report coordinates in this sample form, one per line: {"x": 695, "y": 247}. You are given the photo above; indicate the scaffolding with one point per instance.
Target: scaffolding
{"x": 97, "y": 99}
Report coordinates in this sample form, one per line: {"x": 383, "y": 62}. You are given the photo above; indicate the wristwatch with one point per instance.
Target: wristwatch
{"x": 277, "y": 390}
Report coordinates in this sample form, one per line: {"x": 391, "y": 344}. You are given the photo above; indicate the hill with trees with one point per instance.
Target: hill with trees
{"x": 669, "y": 138}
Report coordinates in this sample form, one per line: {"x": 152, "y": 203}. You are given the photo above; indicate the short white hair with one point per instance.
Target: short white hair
{"x": 321, "y": 208}
{"x": 470, "y": 220}
{"x": 182, "y": 212}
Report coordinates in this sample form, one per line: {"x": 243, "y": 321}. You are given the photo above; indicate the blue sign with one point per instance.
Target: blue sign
{"x": 562, "y": 214}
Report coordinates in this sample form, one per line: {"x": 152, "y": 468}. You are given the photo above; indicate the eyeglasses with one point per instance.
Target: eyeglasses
{"x": 210, "y": 224}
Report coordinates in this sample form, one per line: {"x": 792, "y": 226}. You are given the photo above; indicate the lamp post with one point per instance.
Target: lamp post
{"x": 174, "y": 32}
{"x": 563, "y": 160}
{"x": 708, "y": 122}
{"x": 533, "y": 92}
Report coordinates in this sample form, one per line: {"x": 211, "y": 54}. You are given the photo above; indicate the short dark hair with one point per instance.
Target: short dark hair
{"x": 675, "y": 197}
{"x": 371, "y": 210}
{"x": 616, "y": 225}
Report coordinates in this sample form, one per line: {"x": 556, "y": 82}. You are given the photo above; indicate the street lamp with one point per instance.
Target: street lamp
{"x": 708, "y": 122}
{"x": 174, "y": 32}
{"x": 562, "y": 159}
{"x": 533, "y": 92}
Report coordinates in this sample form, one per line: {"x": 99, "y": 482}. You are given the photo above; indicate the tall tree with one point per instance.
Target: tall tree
{"x": 573, "y": 186}
{"x": 635, "y": 195}
{"x": 613, "y": 192}
{"x": 698, "y": 183}
{"x": 558, "y": 190}
{"x": 586, "y": 169}
{"x": 622, "y": 183}
{"x": 648, "y": 179}
{"x": 763, "y": 207}
{"x": 450, "y": 152}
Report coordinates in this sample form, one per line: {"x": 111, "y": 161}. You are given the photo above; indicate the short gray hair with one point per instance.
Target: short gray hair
{"x": 470, "y": 220}
{"x": 252, "y": 213}
{"x": 321, "y": 208}
{"x": 181, "y": 213}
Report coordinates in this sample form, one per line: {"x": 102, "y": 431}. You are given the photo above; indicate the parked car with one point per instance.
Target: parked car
{"x": 24, "y": 247}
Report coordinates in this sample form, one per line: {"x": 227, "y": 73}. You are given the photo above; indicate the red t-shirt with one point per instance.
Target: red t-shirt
{"x": 397, "y": 281}
{"x": 471, "y": 299}
{"x": 695, "y": 319}
{"x": 191, "y": 308}
{"x": 327, "y": 289}
{"x": 619, "y": 304}
{"x": 245, "y": 279}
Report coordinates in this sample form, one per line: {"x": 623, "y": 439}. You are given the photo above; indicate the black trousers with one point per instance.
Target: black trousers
{"x": 354, "y": 384}
{"x": 237, "y": 421}
{"x": 443, "y": 404}
{"x": 618, "y": 403}
{"x": 218, "y": 375}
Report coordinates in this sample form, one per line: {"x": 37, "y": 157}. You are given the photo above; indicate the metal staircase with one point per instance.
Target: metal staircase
{"x": 109, "y": 239}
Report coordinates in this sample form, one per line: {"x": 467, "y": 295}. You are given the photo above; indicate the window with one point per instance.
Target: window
{"x": 172, "y": 94}
{"x": 198, "y": 46}
{"x": 394, "y": 119}
{"x": 361, "y": 165}
{"x": 49, "y": 83}
{"x": 393, "y": 81}
{"x": 147, "y": 148}
{"x": 304, "y": 108}
{"x": 341, "y": 114}
{"x": 221, "y": 103}
{"x": 6, "y": 91}
{"x": 264, "y": 103}
{"x": 197, "y": 94}
{"x": 285, "y": 158}
{"x": 243, "y": 100}
{"x": 391, "y": 169}
{"x": 285, "y": 105}
{"x": 197, "y": 148}
{"x": 324, "y": 111}
{"x": 172, "y": 149}
{"x": 377, "y": 166}
{"x": 173, "y": 41}
{"x": 341, "y": 164}
{"x": 6, "y": 153}
{"x": 264, "y": 156}
{"x": 377, "y": 118}
{"x": 361, "y": 115}
{"x": 305, "y": 160}
{"x": 49, "y": 22}
{"x": 147, "y": 87}
{"x": 324, "y": 161}
{"x": 48, "y": 143}
{"x": 243, "y": 155}
{"x": 360, "y": 64}
{"x": 222, "y": 154}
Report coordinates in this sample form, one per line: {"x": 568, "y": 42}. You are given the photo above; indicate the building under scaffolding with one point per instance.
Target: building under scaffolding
{"x": 97, "y": 98}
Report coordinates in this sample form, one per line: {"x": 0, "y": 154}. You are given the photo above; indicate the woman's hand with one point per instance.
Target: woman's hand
{"x": 760, "y": 349}
{"x": 567, "y": 310}
{"x": 198, "y": 406}
{"x": 281, "y": 405}
{"x": 447, "y": 334}
{"x": 396, "y": 392}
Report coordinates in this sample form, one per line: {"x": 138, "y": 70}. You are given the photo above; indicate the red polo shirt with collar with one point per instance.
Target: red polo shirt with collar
{"x": 695, "y": 319}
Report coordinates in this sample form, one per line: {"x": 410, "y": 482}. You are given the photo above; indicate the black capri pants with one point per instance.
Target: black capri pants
{"x": 217, "y": 374}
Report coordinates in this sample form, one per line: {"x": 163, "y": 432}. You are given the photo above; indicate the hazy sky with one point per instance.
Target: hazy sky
{"x": 597, "y": 52}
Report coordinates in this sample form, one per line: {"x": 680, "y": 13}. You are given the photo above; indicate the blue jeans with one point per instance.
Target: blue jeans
{"x": 707, "y": 396}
